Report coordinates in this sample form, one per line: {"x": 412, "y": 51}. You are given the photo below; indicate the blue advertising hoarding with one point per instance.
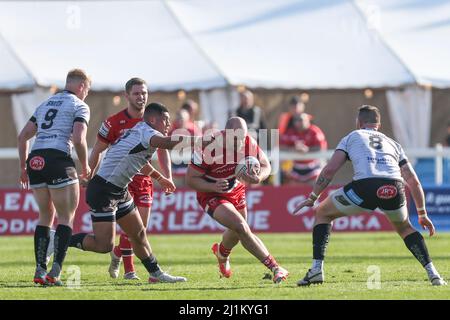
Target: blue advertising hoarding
{"x": 438, "y": 207}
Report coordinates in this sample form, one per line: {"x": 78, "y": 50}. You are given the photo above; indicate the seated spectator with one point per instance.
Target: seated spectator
{"x": 181, "y": 125}
{"x": 304, "y": 137}
{"x": 191, "y": 107}
{"x": 296, "y": 107}
{"x": 251, "y": 113}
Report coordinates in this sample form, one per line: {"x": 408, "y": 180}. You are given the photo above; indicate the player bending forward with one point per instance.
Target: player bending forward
{"x": 222, "y": 195}
{"x": 109, "y": 199}
{"x": 381, "y": 169}
{"x": 141, "y": 187}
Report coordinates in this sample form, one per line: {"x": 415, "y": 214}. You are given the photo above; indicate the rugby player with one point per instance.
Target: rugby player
{"x": 222, "y": 195}
{"x": 381, "y": 170}
{"x": 141, "y": 187}
{"x": 59, "y": 123}
{"x": 107, "y": 192}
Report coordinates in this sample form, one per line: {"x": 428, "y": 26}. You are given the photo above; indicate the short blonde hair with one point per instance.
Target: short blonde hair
{"x": 77, "y": 75}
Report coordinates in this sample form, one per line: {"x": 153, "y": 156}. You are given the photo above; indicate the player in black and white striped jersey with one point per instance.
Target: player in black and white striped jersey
{"x": 381, "y": 170}
{"x": 107, "y": 193}
{"x": 59, "y": 124}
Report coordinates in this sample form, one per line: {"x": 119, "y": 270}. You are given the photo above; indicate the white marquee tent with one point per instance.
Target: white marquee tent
{"x": 401, "y": 45}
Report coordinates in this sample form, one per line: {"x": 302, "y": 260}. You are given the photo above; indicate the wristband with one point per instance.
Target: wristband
{"x": 156, "y": 175}
{"x": 313, "y": 196}
{"x": 421, "y": 209}
{"x": 422, "y": 215}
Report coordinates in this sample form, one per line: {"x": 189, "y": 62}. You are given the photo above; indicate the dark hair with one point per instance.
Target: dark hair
{"x": 369, "y": 114}
{"x": 133, "y": 81}
{"x": 155, "y": 108}
{"x": 187, "y": 105}
{"x": 295, "y": 100}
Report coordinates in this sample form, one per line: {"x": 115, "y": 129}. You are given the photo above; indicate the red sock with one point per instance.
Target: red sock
{"x": 224, "y": 252}
{"x": 270, "y": 262}
{"x": 127, "y": 253}
{"x": 117, "y": 251}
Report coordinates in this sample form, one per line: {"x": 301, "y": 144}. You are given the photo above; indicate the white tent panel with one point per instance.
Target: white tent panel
{"x": 13, "y": 74}
{"x": 113, "y": 41}
{"x": 418, "y": 32}
{"x": 292, "y": 43}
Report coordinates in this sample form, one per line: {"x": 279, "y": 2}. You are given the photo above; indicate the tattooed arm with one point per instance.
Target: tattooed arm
{"x": 326, "y": 175}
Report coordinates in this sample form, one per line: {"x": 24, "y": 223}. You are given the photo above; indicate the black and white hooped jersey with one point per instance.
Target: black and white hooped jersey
{"x": 54, "y": 119}
{"x": 128, "y": 155}
{"x": 373, "y": 154}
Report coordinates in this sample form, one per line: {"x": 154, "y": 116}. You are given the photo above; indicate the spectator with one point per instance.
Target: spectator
{"x": 296, "y": 107}
{"x": 192, "y": 108}
{"x": 304, "y": 137}
{"x": 252, "y": 114}
{"x": 182, "y": 125}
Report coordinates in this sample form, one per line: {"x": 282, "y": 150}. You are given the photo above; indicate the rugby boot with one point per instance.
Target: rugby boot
{"x": 224, "y": 263}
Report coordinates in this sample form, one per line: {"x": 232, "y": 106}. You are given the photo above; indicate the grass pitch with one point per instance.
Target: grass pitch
{"x": 351, "y": 265}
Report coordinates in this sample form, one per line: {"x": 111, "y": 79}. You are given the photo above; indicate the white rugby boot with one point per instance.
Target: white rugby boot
{"x": 114, "y": 266}
{"x": 161, "y": 276}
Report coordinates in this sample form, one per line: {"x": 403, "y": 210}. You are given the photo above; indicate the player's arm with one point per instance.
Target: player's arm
{"x": 25, "y": 135}
{"x": 165, "y": 163}
{"x": 169, "y": 142}
{"x": 327, "y": 174}
{"x": 264, "y": 172}
{"x": 79, "y": 142}
{"x": 415, "y": 187}
{"x": 195, "y": 180}
{"x": 167, "y": 184}
{"x": 96, "y": 152}
{"x": 325, "y": 177}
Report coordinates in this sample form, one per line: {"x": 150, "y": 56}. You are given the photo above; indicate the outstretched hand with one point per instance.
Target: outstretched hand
{"x": 305, "y": 203}
{"x": 426, "y": 224}
{"x": 167, "y": 185}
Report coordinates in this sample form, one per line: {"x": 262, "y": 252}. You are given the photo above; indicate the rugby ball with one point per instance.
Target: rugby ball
{"x": 246, "y": 165}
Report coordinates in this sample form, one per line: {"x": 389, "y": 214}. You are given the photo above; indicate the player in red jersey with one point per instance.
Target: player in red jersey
{"x": 141, "y": 188}
{"x": 303, "y": 137}
{"x": 222, "y": 195}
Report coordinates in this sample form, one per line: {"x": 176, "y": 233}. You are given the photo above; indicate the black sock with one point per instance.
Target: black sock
{"x": 41, "y": 241}
{"x": 151, "y": 264}
{"x": 321, "y": 236}
{"x": 416, "y": 244}
{"x": 76, "y": 241}
{"x": 62, "y": 238}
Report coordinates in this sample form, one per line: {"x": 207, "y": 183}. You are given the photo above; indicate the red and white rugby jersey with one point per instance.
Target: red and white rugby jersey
{"x": 312, "y": 137}
{"x": 220, "y": 163}
{"x": 115, "y": 126}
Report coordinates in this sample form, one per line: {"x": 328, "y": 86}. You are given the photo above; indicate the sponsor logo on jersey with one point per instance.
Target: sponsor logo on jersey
{"x": 342, "y": 200}
{"x": 37, "y": 163}
{"x": 122, "y": 121}
{"x": 104, "y": 129}
{"x": 387, "y": 192}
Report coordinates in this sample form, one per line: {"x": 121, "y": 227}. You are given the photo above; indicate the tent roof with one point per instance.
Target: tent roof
{"x": 199, "y": 44}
